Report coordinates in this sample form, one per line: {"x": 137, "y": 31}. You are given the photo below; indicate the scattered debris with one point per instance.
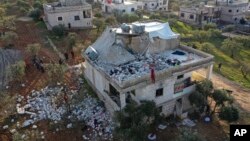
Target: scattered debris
{"x": 5, "y": 126}
{"x": 162, "y": 126}
{"x": 12, "y": 131}
{"x": 69, "y": 125}
{"x": 27, "y": 122}
{"x": 48, "y": 104}
{"x": 34, "y": 126}
{"x": 188, "y": 122}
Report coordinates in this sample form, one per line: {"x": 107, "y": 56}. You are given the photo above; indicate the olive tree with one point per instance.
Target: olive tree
{"x": 33, "y": 49}
{"x": 229, "y": 114}
{"x": 17, "y": 71}
{"x": 9, "y": 38}
{"x": 232, "y": 47}
{"x": 134, "y": 121}
{"x": 56, "y": 73}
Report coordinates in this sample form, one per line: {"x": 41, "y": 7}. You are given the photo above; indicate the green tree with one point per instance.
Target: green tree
{"x": 134, "y": 121}
{"x": 244, "y": 68}
{"x": 33, "y": 49}
{"x": 207, "y": 47}
{"x": 9, "y": 38}
{"x": 189, "y": 135}
{"x": 220, "y": 97}
{"x": 98, "y": 15}
{"x": 35, "y": 14}
{"x": 232, "y": 47}
{"x": 215, "y": 33}
{"x": 99, "y": 23}
{"x": 6, "y": 22}
{"x": 229, "y": 114}
{"x": 209, "y": 26}
{"x": 71, "y": 40}
{"x": 58, "y": 30}
{"x": 17, "y": 71}
{"x": 111, "y": 20}
{"x": 56, "y": 73}
{"x": 205, "y": 87}
{"x": 201, "y": 35}
{"x": 229, "y": 28}
{"x": 197, "y": 100}
{"x": 7, "y": 106}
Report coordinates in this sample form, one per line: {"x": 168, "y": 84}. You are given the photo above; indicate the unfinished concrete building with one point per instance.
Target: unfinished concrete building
{"x": 144, "y": 61}
{"x": 70, "y": 13}
{"x": 201, "y": 14}
{"x": 232, "y": 11}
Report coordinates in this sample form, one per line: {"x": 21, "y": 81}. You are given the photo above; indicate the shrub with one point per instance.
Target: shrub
{"x": 35, "y": 14}
{"x": 209, "y": 26}
{"x": 155, "y": 16}
{"x": 229, "y": 114}
{"x": 38, "y": 5}
{"x": 189, "y": 135}
{"x": 59, "y": 30}
{"x": 229, "y": 28}
{"x": 98, "y": 15}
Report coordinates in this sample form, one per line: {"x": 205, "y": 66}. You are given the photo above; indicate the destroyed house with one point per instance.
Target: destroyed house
{"x": 143, "y": 61}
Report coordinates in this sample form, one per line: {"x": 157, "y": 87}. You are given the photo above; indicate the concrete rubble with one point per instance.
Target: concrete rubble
{"x": 48, "y": 104}
{"x": 141, "y": 65}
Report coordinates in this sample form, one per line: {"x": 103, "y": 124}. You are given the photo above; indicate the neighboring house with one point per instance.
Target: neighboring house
{"x": 229, "y": 11}
{"x": 155, "y": 5}
{"x": 199, "y": 14}
{"x": 144, "y": 61}
{"x": 123, "y": 6}
{"x": 70, "y": 13}
{"x": 233, "y": 10}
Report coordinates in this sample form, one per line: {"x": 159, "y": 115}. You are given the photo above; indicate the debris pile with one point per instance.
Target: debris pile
{"x": 49, "y": 104}
{"x": 142, "y": 65}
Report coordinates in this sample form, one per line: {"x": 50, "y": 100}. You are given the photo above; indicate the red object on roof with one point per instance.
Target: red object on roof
{"x": 152, "y": 72}
{"x": 109, "y": 1}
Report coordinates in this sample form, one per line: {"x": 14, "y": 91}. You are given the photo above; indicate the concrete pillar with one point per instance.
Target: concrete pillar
{"x": 209, "y": 72}
{"x": 123, "y": 100}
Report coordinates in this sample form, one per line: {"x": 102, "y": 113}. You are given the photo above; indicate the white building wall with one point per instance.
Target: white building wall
{"x": 109, "y": 8}
{"x": 69, "y": 17}
{"x": 167, "y": 100}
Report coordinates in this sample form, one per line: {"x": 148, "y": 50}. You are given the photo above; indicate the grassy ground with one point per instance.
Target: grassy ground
{"x": 230, "y": 68}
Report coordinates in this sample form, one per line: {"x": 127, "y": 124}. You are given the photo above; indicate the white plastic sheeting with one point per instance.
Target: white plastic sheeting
{"x": 109, "y": 51}
{"x": 157, "y": 29}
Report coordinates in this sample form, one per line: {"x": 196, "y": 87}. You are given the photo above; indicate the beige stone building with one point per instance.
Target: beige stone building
{"x": 232, "y": 10}
{"x": 228, "y": 11}
{"x": 198, "y": 15}
{"x": 143, "y": 61}
{"x": 70, "y": 13}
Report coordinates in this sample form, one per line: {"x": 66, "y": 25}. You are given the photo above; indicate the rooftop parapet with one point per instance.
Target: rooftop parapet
{"x": 59, "y": 7}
